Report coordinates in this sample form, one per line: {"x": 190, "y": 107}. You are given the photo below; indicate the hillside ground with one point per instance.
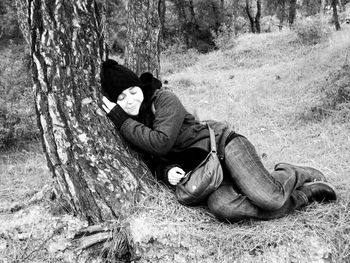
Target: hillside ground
{"x": 291, "y": 100}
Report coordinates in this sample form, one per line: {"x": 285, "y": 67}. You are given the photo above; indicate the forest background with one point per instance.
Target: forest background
{"x": 208, "y": 47}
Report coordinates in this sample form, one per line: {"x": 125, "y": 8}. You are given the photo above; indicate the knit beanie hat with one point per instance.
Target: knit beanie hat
{"x": 115, "y": 78}
{"x": 148, "y": 79}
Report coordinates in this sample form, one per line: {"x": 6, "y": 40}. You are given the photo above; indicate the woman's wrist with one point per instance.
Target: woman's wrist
{"x": 118, "y": 116}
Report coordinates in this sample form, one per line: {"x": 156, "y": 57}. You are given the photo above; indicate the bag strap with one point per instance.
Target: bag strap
{"x": 212, "y": 139}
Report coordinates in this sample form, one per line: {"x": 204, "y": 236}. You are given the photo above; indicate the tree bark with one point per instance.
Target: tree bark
{"x": 93, "y": 172}
{"x": 335, "y": 15}
{"x": 183, "y": 21}
{"x": 341, "y": 6}
{"x": 283, "y": 12}
{"x": 192, "y": 28}
{"x": 235, "y": 8}
{"x": 258, "y": 16}
{"x": 222, "y": 6}
{"x": 162, "y": 11}
{"x": 143, "y": 37}
{"x": 322, "y": 10}
{"x": 292, "y": 12}
{"x": 192, "y": 13}
{"x": 250, "y": 15}
{"x": 216, "y": 13}
{"x": 253, "y": 9}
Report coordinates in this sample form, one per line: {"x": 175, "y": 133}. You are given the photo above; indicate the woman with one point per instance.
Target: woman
{"x": 156, "y": 123}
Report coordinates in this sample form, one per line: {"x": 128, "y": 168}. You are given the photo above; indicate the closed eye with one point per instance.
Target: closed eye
{"x": 133, "y": 90}
{"x": 121, "y": 97}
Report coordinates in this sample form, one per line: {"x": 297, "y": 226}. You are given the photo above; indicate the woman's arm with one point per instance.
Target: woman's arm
{"x": 159, "y": 139}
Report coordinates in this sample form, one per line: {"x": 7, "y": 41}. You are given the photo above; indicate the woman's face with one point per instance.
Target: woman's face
{"x": 130, "y": 100}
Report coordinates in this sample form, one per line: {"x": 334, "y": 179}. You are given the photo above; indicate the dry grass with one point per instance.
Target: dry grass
{"x": 23, "y": 172}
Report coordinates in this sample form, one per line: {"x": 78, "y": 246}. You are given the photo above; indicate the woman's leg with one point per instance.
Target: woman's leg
{"x": 264, "y": 190}
{"x": 227, "y": 204}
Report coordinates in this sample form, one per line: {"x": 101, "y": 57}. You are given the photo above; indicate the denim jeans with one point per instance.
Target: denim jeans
{"x": 250, "y": 191}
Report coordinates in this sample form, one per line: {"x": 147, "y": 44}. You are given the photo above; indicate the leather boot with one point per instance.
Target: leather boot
{"x": 319, "y": 191}
{"x": 311, "y": 174}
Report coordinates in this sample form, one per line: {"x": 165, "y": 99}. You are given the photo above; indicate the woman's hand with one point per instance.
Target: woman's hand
{"x": 175, "y": 174}
{"x": 107, "y": 105}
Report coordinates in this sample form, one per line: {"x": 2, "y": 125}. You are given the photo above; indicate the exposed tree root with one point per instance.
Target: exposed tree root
{"x": 102, "y": 241}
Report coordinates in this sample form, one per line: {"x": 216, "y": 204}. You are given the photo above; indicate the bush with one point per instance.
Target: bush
{"x": 337, "y": 88}
{"x": 17, "y": 112}
{"x": 177, "y": 57}
{"x": 269, "y": 24}
{"x": 310, "y": 30}
{"x": 9, "y": 27}
{"x": 225, "y": 37}
{"x": 335, "y": 97}
{"x": 241, "y": 26}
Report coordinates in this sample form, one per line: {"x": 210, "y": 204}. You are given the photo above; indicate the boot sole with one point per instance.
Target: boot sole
{"x": 325, "y": 183}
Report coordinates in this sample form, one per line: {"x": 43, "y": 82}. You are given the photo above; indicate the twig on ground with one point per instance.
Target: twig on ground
{"x": 29, "y": 237}
{"x": 38, "y": 248}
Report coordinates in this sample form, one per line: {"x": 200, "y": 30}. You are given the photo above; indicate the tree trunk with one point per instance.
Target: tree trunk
{"x": 143, "y": 37}
{"x": 292, "y": 12}
{"x": 183, "y": 21}
{"x": 235, "y": 8}
{"x": 258, "y": 16}
{"x": 192, "y": 28}
{"x": 93, "y": 172}
{"x": 222, "y": 6}
{"x": 192, "y": 13}
{"x": 162, "y": 11}
{"x": 283, "y": 12}
{"x": 335, "y": 14}
{"x": 253, "y": 9}
{"x": 249, "y": 10}
{"x": 341, "y": 6}
{"x": 216, "y": 13}
{"x": 322, "y": 10}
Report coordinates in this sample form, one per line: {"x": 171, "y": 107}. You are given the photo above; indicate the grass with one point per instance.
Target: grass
{"x": 267, "y": 87}
{"x": 23, "y": 172}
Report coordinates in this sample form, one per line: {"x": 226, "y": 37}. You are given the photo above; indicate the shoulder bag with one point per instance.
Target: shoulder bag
{"x": 203, "y": 180}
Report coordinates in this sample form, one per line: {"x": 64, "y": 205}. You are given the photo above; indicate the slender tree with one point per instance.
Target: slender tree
{"x": 94, "y": 174}
{"x": 222, "y": 5}
{"x": 323, "y": 2}
{"x": 258, "y": 16}
{"x": 192, "y": 27}
{"x": 283, "y": 13}
{"x": 235, "y": 9}
{"x": 335, "y": 14}
{"x": 292, "y": 11}
{"x": 162, "y": 11}
{"x": 341, "y": 6}
{"x": 182, "y": 20}
{"x": 217, "y": 15}
{"x": 143, "y": 36}
{"x": 253, "y": 9}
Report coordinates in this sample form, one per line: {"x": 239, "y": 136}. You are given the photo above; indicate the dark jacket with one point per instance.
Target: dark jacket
{"x": 176, "y": 137}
